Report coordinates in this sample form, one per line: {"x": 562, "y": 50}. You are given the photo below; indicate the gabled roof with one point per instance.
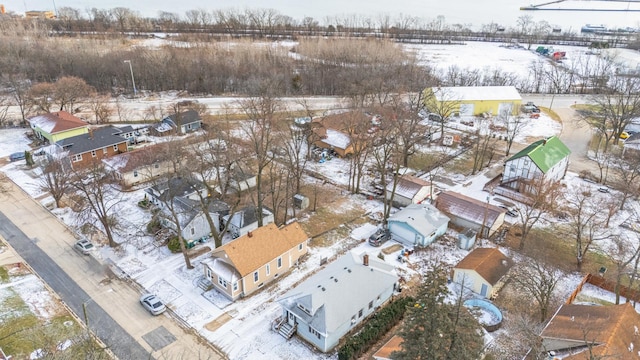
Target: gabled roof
{"x": 612, "y": 329}
{"x": 175, "y": 187}
{"x": 337, "y": 292}
{"x": 470, "y": 93}
{"x": 93, "y": 140}
{"x": 250, "y": 252}
{"x": 424, "y": 218}
{"x": 468, "y": 208}
{"x": 183, "y": 118}
{"x": 246, "y": 216}
{"x": 136, "y": 159}
{"x": 408, "y": 186}
{"x": 545, "y": 153}
{"x": 490, "y": 263}
{"x": 56, "y": 122}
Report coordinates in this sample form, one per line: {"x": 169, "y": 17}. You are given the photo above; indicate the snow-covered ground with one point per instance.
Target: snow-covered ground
{"x": 242, "y": 328}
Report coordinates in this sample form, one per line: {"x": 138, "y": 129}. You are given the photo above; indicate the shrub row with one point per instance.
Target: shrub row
{"x": 379, "y": 324}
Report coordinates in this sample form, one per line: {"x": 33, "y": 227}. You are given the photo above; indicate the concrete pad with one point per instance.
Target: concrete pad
{"x": 159, "y": 338}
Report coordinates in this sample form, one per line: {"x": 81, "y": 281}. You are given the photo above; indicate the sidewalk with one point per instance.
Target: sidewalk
{"x": 116, "y": 297}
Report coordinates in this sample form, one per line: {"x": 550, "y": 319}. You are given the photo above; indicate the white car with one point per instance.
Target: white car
{"x": 84, "y": 247}
{"x": 153, "y": 304}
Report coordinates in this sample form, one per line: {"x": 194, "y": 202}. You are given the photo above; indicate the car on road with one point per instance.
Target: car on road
{"x": 153, "y": 304}
{"x": 379, "y": 237}
{"x": 17, "y": 156}
{"x": 83, "y": 246}
{"x": 604, "y": 189}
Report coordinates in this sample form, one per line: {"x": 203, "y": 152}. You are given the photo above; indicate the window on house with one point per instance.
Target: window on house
{"x": 256, "y": 277}
{"x": 526, "y": 162}
{"x": 279, "y": 262}
{"x": 193, "y": 231}
{"x": 222, "y": 282}
{"x": 115, "y": 147}
{"x": 371, "y": 304}
{"x": 93, "y": 153}
{"x": 360, "y": 312}
{"x": 235, "y": 286}
{"x": 76, "y": 158}
{"x": 512, "y": 168}
{"x": 300, "y": 247}
{"x": 209, "y": 273}
{"x": 268, "y": 269}
{"x": 353, "y": 320}
{"x": 135, "y": 173}
{"x": 378, "y": 299}
{"x": 156, "y": 166}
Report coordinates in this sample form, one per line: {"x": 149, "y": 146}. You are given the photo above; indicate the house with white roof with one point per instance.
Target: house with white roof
{"x": 474, "y": 100}
{"x": 332, "y": 302}
{"x": 408, "y": 190}
{"x": 417, "y": 225}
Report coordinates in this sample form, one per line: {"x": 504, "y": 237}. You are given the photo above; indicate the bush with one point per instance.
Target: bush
{"x": 174, "y": 244}
{"x": 153, "y": 226}
{"x": 374, "y": 329}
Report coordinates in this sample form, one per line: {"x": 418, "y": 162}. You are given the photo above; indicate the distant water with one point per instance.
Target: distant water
{"x": 473, "y": 12}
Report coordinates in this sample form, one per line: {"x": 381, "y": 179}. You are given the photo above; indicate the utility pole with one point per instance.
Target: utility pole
{"x": 133, "y": 80}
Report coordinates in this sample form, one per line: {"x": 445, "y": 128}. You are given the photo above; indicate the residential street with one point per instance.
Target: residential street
{"x": 112, "y": 308}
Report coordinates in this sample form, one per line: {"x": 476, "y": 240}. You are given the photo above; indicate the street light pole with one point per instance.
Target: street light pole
{"x": 133, "y": 80}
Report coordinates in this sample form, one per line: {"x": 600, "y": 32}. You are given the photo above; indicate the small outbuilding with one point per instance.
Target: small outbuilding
{"x": 417, "y": 225}
{"x": 408, "y": 190}
{"x": 474, "y": 100}
{"x": 467, "y": 212}
{"x": 482, "y": 271}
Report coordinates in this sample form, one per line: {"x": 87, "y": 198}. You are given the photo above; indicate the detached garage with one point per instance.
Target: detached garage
{"x": 474, "y": 100}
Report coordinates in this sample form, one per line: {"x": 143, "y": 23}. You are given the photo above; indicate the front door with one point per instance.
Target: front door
{"x": 292, "y": 318}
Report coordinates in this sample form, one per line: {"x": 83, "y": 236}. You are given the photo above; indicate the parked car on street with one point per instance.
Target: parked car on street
{"x": 153, "y": 304}
{"x": 84, "y": 246}
{"x": 17, "y": 156}
{"x": 379, "y": 237}
{"x": 604, "y": 189}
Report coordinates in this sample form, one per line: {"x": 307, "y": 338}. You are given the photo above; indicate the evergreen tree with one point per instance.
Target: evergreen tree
{"x": 436, "y": 330}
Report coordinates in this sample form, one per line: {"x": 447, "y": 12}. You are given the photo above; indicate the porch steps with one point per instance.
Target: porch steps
{"x": 204, "y": 283}
{"x": 287, "y": 330}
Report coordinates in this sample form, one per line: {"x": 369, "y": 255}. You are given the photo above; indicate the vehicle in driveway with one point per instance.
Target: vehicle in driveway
{"x": 17, "y": 156}
{"x": 153, "y": 304}
{"x": 379, "y": 237}
{"x": 510, "y": 210}
{"x": 84, "y": 246}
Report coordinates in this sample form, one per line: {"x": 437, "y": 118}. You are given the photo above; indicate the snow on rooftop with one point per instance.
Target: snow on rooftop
{"x": 337, "y": 139}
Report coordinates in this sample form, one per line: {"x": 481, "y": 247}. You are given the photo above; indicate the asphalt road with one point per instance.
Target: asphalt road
{"x": 103, "y": 326}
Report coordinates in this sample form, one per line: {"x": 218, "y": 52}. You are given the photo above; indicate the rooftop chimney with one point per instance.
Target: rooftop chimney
{"x": 249, "y": 234}
{"x": 365, "y": 260}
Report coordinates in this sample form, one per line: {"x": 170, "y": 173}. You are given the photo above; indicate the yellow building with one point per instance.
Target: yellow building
{"x": 472, "y": 100}
{"x": 33, "y": 14}
{"x": 56, "y": 126}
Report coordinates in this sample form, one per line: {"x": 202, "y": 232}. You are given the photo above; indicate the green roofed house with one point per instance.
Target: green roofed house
{"x": 547, "y": 158}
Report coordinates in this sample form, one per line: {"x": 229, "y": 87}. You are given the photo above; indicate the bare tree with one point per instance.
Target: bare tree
{"x": 101, "y": 108}
{"x": 20, "y": 88}
{"x": 482, "y": 144}
{"x": 260, "y": 130}
{"x": 622, "y": 252}
{"x": 100, "y": 197}
{"x": 513, "y": 126}
{"x": 628, "y": 176}
{"x": 586, "y": 223}
{"x": 538, "y": 279}
{"x": 443, "y": 103}
{"x": 68, "y": 90}
{"x": 41, "y": 95}
{"x": 542, "y": 197}
{"x": 55, "y": 179}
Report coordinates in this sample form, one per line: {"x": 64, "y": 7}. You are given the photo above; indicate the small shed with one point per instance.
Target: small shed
{"x": 482, "y": 271}
{"x": 467, "y": 239}
{"x": 300, "y": 201}
{"x": 408, "y": 190}
{"x": 467, "y": 212}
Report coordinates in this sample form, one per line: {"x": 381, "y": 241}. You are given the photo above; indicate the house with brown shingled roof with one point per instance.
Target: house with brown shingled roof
{"x": 469, "y": 213}
{"x": 56, "y": 126}
{"x": 579, "y": 332}
{"x": 408, "y": 190}
{"x": 482, "y": 271}
{"x": 138, "y": 166}
{"x": 248, "y": 263}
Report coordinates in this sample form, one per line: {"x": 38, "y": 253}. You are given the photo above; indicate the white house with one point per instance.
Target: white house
{"x": 193, "y": 221}
{"x": 547, "y": 158}
{"x": 246, "y": 220}
{"x": 408, "y": 190}
{"x": 482, "y": 271}
{"x": 417, "y": 225}
{"x": 332, "y": 302}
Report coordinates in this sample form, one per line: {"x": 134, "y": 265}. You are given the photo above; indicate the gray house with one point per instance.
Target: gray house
{"x": 332, "y": 302}
{"x": 408, "y": 190}
{"x": 418, "y": 225}
{"x": 246, "y": 220}
{"x": 181, "y": 123}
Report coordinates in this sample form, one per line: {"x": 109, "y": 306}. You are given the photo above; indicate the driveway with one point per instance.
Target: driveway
{"x": 112, "y": 309}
